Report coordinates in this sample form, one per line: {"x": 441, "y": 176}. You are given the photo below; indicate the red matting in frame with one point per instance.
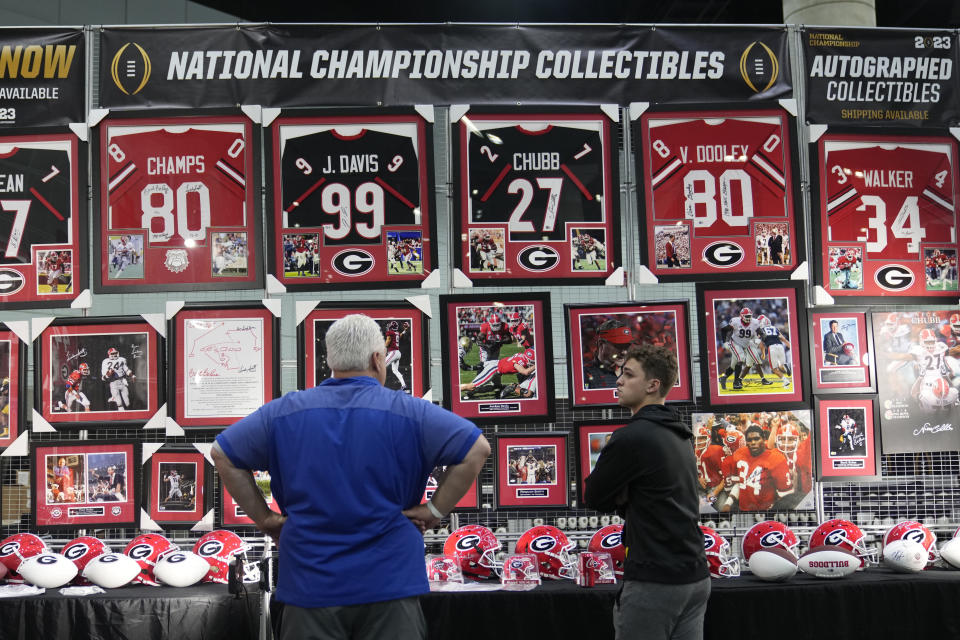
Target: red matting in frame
{"x": 598, "y": 334}
{"x": 352, "y": 200}
{"x": 841, "y": 360}
{"x": 720, "y": 193}
{"x": 531, "y": 470}
{"x": 470, "y": 500}
{"x": 592, "y": 437}
{"x": 80, "y": 492}
{"x": 65, "y": 388}
{"x": 223, "y": 364}
{"x": 190, "y": 479}
{"x": 178, "y": 206}
{"x": 847, "y": 429}
{"x": 13, "y": 368}
{"x": 537, "y": 196}
{"x": 413, "y": 361}
{"x": 43, "y": 229}
{"x": 887, "y": 216}
{"x": 231, "y": 515}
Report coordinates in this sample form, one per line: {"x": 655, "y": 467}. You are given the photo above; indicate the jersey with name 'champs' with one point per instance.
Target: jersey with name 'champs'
{"x": 719, "y": 175}
{"x": 35, "y": 200}
{"x": 536, "y": 182}
{"x": 350, "y": 186}
{"x": 177, "y": 185}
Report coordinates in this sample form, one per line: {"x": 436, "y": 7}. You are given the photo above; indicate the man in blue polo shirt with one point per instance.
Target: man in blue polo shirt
{"x": 348, "y": 462}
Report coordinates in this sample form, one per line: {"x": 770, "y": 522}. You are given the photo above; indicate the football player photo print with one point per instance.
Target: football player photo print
{"x": 846, "y": 267}
{"x": 232, "y": 515}
{"x": 918, "y": 377}
{"x": 229, "y": 254}
{"x": 531, "y": 465}
{"x": 847, "y": 436}
{"x": 940, "y": 267}
{"x": 126, "y": 256}
{"x": 671, "y": 246}
{"x": 486, "y": 249}
{"x": 13, "y": 358}
{"x": 301, "y": 255}
{"x": 54, "y": 272}
{"x": 848, "y": 447}
{"x": 840, "y": 348}
{"x": 591, "y": 437}
{"x": 177, "y": 486}
{"x": 757, "y": 461}
{"x": 752, "y": 343}
{"x": 587, "y": 246}
{"x": 405, "y": 251}
{"x": 773, "y": 244}
{"x": 66, "y": 478}
{"x": 176, "y": 479}
{"x": 531, "y": 470}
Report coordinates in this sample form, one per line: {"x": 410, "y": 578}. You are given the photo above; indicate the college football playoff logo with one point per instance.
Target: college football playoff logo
{"x": 759, "y": 66}
{"x": 130, "y": 68}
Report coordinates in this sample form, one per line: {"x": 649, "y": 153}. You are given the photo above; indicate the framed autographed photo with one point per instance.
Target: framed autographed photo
{"x": 531, "y": 470}
{"x": 591, "y": 438}
{"x": 917, "y": 379}
{"x": 751, "y": 344}
{"x": 537, "y": 196}
{"x": 470, "y": 500}
{"x": 178, "y": 203}
{"x": 178, "y": 485}
{"x": 43, "y": 228}
{"x": 847, "y": 433}
{"x": 599, "y": 335}
{"x": 886, "y": 211}
{"x": 13, "y": 378}
{"x": 97, "y": 372}
{"x": 231, "y": 515}
{"x": 351, "y": 198}
{"x": 767, "y": 454}
{"x": 841, "y": 348}
{"x": 404, "y": 329}
{"x": 720, "y": 192}
{"x": 84, "y": 484}
{"x": 224, "y": 362}
{"x": 504, "y": 369}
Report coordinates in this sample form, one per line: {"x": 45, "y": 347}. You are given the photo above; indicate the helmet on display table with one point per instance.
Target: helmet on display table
{"x": 767, "y": 535}
{"x": 609, "y": 539}
{"x": 552, "y": 548}
{"x": 146, "y": 549}
{"x": 722, "y": 562}
{"x": 218, "y": 548}
{"x": 475, "y": 547}
{"x": 844, "y": 534}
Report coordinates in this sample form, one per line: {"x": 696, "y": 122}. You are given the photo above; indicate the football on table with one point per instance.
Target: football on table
{"x": 773, "y": 565}
{"x": 829, "y": 562}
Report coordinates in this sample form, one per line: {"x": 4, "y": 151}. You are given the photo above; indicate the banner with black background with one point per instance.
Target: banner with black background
{"x": 304, "y": 65}
{"x": 42, "y": 75}
{"x": 881, "y": 76}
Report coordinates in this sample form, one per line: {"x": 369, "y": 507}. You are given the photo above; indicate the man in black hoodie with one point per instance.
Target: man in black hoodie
{"x": 647, "y": 472}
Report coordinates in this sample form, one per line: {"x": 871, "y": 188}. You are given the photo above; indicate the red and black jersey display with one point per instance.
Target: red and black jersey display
{"x": 536, "y": 197}
{"x": 887, "y": 215}
{"x": 718, "y": 193}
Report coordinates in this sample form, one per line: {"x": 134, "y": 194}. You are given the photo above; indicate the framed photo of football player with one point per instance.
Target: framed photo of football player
{"x": 405, "y": 335}
{"x": 598, "y": 336}
{"x": 81, "y": 484}
{"x": 886, "y": 211}
{"x": 918, "y": 378}
{"x": 531, "y": 470}
{"x": 43, "y": 225}
{"x": 720, "y": 192}
{"x": 13, "y": 377}
{"x": 591, "y": 438}
{"x": 470, "y": 500}
{"x": 224, "y": 362}
{"x": 752, "y": 341}
{"x": 504, "y": 370}
{"x": 177, "y": 481}
{"x": 97, "y": 372}
{"x": 232, "y": 515}
{"x": 177, "y": 203}
{"x": 841, "y": 349}
{"x": 847, "y": 435}
{"x": 537, "y": 195}
{"x": 351, "y": 199}
{"x": 754, "y": 461}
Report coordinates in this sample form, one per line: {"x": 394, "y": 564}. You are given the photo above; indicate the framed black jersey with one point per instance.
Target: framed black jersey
{"x": 351, "y": 199}
{"x": 537, "y": 196}
{"x": 719, "y": 192}
{"x": 177, "y": 204}
{"x": 886, "y": 210}
{"x": 42, "y": 225}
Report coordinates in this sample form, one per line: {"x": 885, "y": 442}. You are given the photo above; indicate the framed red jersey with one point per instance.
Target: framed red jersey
{"x": 537, "y": 196}
{"x": 178, "y": 206}
{"x": 43, "y": 240}
{"x": 886, "y": 210}
{"x": 720, "y": 191}
{"x": 13, "y": 384}
{"x": 351, "y": 199}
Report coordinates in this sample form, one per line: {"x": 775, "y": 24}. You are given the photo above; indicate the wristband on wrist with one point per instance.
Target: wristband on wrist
{"x": 433, "y": 509}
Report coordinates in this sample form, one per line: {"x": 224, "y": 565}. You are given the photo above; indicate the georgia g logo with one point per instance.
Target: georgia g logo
{"x": 835, "y": 537}
{"x": 76, "y": 551}
{"x": 210, "y": 548}
{"x": 140, "y": 552}
{"x": 130, "y": 68}
{"x": 538, "y": 257}
{"x": 772, "y": 539}
{"x": 468, "y": 543}
{"x": 611, "y": 540}
{"x": 707, "y": 541}
{"x": 11, "y": 281}
{"x": 46, "y": 559}
{"x": 352, "y": 262}
{"x": 175, "y": 557}
{"x": 894, "y": 277}
{"x": 542, "y": 543}
{"x": 914, "y": 535}
{"x": 9, "y": 549}
{"x": 723, "y": 255}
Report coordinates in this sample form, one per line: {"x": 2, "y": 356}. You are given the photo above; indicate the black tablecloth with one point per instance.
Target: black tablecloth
{"x": 203, "y": 612}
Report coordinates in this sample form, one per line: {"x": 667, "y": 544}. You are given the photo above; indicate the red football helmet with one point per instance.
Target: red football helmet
{"x": 84, "y": 369}
{"x": 892, "y": 319}
{"x": 495, "y": 321}
{"x": 928, "y": 340}
{"x": 722, "y": 563}
{"x": 701, "y": 437}
{"x": 146, "y": 549}
{"x": 788, "y": 438}
{"x": 17, "y": 548}
{"x": 733, "y": 439}
{"x": 767, "y": 535}
{"x": 849, "y": 349}
{"x": 217, "y": 548}
{"x": 112, "y": 353}
{"x": 609, "y": 539}
{"x": 843, "y": 533}
{"x": 475, "y": 546}
{"x": 955, "y": 324}
{"x": 81, "y": 551}
{"x": 916, "y": 532}
{"x": 746, "y": 316}
{"x": 552, "y": 548}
